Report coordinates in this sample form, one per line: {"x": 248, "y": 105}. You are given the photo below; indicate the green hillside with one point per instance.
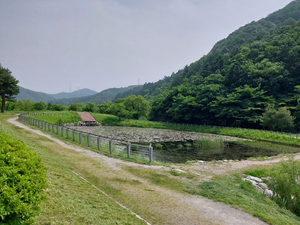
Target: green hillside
{"x": 256, "y": 65}
{"x": 105, "y": 95}
{"x": 33, "y": 95}
{"x": 79, "y": 93}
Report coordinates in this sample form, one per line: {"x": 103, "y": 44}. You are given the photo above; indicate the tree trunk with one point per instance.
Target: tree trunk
{"x": 3, "y": 103}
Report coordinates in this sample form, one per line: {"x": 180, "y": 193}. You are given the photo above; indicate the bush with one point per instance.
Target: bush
{"x": 285, "y": 182}
{"x": 22, "y": 180}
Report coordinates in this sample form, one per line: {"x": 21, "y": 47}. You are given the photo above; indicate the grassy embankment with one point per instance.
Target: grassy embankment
{"x": 64, "y": 184}
{"x": 70, "y": 200}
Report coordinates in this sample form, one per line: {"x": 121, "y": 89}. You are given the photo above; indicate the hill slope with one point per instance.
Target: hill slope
{"x": 33, "y": 95}
{"x": 75, "y": 94}
{"x": 256, "y": 65}
{"x": 105, "y": 95}
{"x": 214, "y": 60}
{"x": 40, "y": 96}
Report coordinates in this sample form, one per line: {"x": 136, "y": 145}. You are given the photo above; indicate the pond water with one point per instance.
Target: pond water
{"x": 180, "y": 152}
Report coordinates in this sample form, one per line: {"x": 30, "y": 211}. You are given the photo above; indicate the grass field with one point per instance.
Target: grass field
{"x": 71, "y": 200}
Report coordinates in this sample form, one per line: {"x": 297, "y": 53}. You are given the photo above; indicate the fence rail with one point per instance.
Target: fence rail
{"x": 97, "y": 142}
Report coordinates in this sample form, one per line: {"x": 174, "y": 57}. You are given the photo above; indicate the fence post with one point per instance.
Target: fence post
{"x": 57, "y": 129}
{"x": 67, "y": 132}
{"x": 98, "y": 142}
{"x": 88, "y": 139}
{"x": 110, "y": 146}
{"x": 80, "y": 137}
{"x": 73, "y": 135}
{"x": 49, "y": 124}
{"x": 150, "y": 153}
{"x": 52, "y": 128}
{"x": 62, "y": 130}
{"x": 128, "y": 149}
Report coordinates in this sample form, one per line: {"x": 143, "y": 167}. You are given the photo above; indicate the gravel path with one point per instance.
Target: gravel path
{"x": 178, "y": 208}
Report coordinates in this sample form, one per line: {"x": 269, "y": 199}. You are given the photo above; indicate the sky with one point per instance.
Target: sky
{"x": 54, "y": 46}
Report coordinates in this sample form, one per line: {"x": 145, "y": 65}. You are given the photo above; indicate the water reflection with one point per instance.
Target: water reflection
{"x": 180, "y": 152}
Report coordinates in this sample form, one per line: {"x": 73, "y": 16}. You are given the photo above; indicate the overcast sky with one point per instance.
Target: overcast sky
{"x": 61, "y": 45}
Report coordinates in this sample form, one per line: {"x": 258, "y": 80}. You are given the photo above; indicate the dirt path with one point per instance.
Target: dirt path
{"x": 172, "y": 207}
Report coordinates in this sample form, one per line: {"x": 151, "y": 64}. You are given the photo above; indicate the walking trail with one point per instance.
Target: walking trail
{"x": 170, "y": 206}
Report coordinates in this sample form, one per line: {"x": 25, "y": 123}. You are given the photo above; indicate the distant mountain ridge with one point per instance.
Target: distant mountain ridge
{"x": 105, "y": 95}
{"x": 35, "y": 96}
{"x": 75, "y": 94}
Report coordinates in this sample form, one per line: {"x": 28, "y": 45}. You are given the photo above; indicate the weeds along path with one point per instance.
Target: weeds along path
{"x": 155, "y": 204}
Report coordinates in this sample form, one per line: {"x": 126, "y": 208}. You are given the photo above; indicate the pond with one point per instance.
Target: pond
{"x": 180, "y": 152}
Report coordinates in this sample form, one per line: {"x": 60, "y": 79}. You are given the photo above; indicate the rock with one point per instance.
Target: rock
{"x": 269, "y": 193}
{"x": 179, "y": 171}
{"x": 256, "y": 179}
{"x": 263, "y": 186}
{"x": 259, "y": 189}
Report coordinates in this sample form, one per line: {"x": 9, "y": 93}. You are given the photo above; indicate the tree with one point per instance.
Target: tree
{"x": 73, "y": 107}
{"x": 49, "y": 106}
{"x": 25, "y": 105}
{"x": 8, "y": 86}
{"x": 119, "y": 110}
{"x": 39, "y": 106}
{"x": 137, "y": 105}
{"x": 59, "y": 107}
{"x": 89, "y": 107}
{"x": 280, "y": 119}
{"x": 101, "y": 108}
{"x": 243, "y": 107}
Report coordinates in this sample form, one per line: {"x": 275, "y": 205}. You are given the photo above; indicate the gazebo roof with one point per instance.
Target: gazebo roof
{"x": 86, "y": 117}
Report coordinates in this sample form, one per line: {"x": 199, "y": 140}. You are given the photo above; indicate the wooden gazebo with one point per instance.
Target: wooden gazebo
{"x": 87, "y": 119}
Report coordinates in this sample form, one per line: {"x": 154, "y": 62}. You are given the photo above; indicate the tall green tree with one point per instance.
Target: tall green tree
{"x": 39, "y": 106}
{"x": 137, "y": 105}
{"x": 119, "y": 110}
{"x": 8, "y": 86}
{"x": 243, "y": 107}
{"x": 280, "y": 120}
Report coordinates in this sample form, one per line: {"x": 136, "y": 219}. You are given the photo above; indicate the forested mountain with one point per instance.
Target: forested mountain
{"x": 256, "y": 65}
{"x": 33, "y": 95}
{"x": 79, "y": 93}
{"x": 26, "y": 94}
{"x": 105, "y": 95}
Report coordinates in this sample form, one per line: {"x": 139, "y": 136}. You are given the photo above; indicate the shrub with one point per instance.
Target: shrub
{"x": 285, "y": 182}
{"x": 209, "y": 143}
{"x": 22, "y": 180}
{"x": 60, "y": 121}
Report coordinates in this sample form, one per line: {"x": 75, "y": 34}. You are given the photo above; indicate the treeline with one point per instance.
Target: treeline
{"x": 135, "y": 107}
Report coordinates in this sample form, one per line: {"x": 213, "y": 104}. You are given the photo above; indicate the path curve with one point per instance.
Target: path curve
{"x": 192, "y": 209}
